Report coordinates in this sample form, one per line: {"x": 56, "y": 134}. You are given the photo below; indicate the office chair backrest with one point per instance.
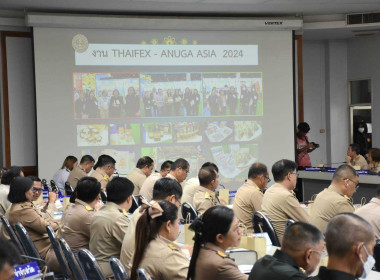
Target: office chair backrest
{"x": 68, "y": 189}
{"x": 71, "y": 260}
{"x": 134, "y": 206}
{"x": 262, "y": 224}
{"x": 90, "y": 266}
{"x": 289, "y": 222}
{"x": 140, "y": 198}
{"x": 58, "y": 253}
{"x": 188, "y": 212}
{"x": 12, "y": 235}
{"x": 118, "y": 269}
{"x": 143, "y": 275}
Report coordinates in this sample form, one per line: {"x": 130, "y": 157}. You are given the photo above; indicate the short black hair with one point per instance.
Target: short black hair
{"x": 165, "y": 187}
{"x": 16, "y": 170}
{"x": 206, "y": 175}
{"x": 300, "y": 235}
{"x": 18, "y": 187}
{"x": 144, "y": 161}
{"x": 8, "y": 254}
{"x": 304, "y": 127}
{"x": 281, "y": 168}
{"x": 180, "y": 163}
{"x": 88, "y": 188}
{"x": 375, "y": 154}
{"x": 256, "y": 170}
{"x": 344, "y": 171}
{"x": 167, "y": 164}
{"x": 86, "y": 158}
{"x": 104, "y": 160}
{"x": 119, "y": 189}
{"x": 355, "y": 148}
{"x": 34, "y": 178}
{"x": 211, "y": 164}
{"x": 8, "y": 177}
{"x": 344, "y": 230}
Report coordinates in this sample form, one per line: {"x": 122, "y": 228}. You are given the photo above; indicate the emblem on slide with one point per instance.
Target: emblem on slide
{"x": 79, "y": 43}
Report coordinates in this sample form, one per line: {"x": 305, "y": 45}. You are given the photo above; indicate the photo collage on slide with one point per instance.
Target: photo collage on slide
{"x": 198, "y": 116}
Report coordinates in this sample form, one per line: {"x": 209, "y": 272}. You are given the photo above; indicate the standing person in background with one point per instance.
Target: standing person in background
{"x": 116, "y": 102}
{"x": 104, "y": 169}
{"x": 80, "y": 106}
{"x": 154, "y": 97}
{"x": 144, "y": 167}
{"x": 81, "y": 170}
{"x": 362, "y": 138}
{"x": 223, "y": 102}
{"x": 187, "y": 101}
{"x": 160, "y": 103}
{"x": 213, "y": 102}
{"x": 92, "y": 109}
{"x": 197, "y": 100}
{"x": 104, "y": 103}
{"x": 373, "y": 157}
{"x": 60, "y": 177}
{"x": 244, "y": 100}
{"x": 232, "y": 97}
{"x": 169, "y": 101}
{"x": 304, "y": 147}
{"x": 177, "y": 102}
{"x": 148, "y": 103}
{"x": 132, "y": 103}
{"x": 354, "y": 158}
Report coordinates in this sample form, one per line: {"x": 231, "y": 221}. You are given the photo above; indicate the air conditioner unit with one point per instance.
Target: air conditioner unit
{"x": 363, "y": 18}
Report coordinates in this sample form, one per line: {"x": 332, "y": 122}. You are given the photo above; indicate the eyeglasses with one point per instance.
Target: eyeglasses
{"x": 322, "y": 253}
{"x": 36, "y": 189}
{"x": 269, "y": 179}
{"x": 356, "y": 184}
{"x": 294, "y": 173}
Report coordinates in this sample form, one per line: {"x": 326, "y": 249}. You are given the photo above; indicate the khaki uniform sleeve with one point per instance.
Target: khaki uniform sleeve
{"x": 204, "y": 205}
{"x": 48, "y": 210}
{"x": 345, "y": 207}
{"x": 257, "y": 200}
{"x": 294, "y": 210}
{"x": 176, "y": 266}
{"x": 120, "y": 228}
{"x": 230, "y": 271}
{"x": 34, "y": 221}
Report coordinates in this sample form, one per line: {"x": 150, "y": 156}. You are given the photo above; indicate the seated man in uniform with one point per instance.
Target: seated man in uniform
{"x": 349, "y": 241}
{"x": 249, "y": 197}
{"x": 76, "y": 220}
{"x": 85, "y": 165}
{"x": 371, "y": 212}
{"x": 192, "y": 184}
{"x": 179, "y": 170}
{"x": 336, "y": 198}
{"x": 110, "y": 223}
{"x": 205, "y": 196}
{"x": 280, "y": 203}
{"x": 143, "y": 169}
{"x": 103, "y": 170}
{"x": 147, "y": 187}
{"x": 164, "y": 189}
{"x": 354, "y": 158}
{"x": 45, "y": 209}
{"x": 300, "y": 254}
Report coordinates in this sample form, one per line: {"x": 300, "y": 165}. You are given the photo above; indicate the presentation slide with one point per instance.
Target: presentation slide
{"x": 225, "y": 97}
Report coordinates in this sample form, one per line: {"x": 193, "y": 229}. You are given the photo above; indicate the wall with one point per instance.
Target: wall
{"x": 363, "y": 63}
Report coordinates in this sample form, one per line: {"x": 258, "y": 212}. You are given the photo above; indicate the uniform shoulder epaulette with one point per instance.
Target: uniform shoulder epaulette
{"x": 223, "y": 255}
{"x": 207, "y": 195}
{"x": 125, "y": 212}
{"x": 89, "y": 208}
{"x": 172, "y": 246}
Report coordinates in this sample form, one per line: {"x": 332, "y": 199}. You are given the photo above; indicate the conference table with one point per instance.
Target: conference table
{"x": 314, "y": 182}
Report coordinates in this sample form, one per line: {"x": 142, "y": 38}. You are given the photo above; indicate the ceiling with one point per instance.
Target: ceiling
{"x": 313, "y": 11}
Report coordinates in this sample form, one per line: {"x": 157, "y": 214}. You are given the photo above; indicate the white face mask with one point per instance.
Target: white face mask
{"x": 367, "y": 265}
{"x": 361, "y": 129}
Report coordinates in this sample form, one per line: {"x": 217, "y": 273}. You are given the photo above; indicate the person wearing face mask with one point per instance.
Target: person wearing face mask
{"x": 336, "y": 198}
{"x": 349, "y": 241}
{"x": 215, "y": 231}
{"x": 205, "y": 196}
{"x": 300, "y": 254}
{"x": 362, "y": 138}
{"x": 249, "y": 197}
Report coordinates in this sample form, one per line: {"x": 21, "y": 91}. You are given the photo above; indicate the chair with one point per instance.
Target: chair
{"x": 289, "y": 222}
{"x": 143, "y": 275}
{"x": 140, "y": 198}
{"x": 262, "y": 224}
{"x": 118, "y": 269}
{"x": 103, "y": 196}
{"x": 71, "y": 260}
{"x": 58, "y": 253}
{"x": 12, "y": 234}
{"x": 134, "y": 206}
{"x": 68, "y": 189}
{"x": 29, "y": 247}
{"x": 90, "y": 266}
{"x": 188, "y": 211}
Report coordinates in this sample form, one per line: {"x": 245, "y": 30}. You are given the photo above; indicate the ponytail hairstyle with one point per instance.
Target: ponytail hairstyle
{"x": 216, "y": 220}
{"x": 148, "y": 226}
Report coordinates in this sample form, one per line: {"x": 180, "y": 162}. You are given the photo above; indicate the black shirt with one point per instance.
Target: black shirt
{"x": 328, "y": 274}
{"x": 280, "y": 266}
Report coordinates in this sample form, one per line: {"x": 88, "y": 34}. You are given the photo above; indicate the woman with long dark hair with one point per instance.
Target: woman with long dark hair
{"x": 156, "y": 230}
{"x": 215, "y": 231}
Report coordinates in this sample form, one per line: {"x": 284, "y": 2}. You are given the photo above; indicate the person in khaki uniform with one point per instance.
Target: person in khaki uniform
{"x": 164, "y": 189}
{"x": 23, "y": 211}
{"x": 160, "y": 257}
{"x": 104, "y": 169}
{"x": 250, "y": 195}
{"x": 143, "y": 169}
{"x": 45, "y": 209}
{"x": 205, "y": 196}
{"x": 85, "y": 165}
{"x": 280, "y": 203}
{"x": 336, "y": 198}
{"x": 179, "y": 170}
{"x": 354, "y": 158}
{"x": 216, "y": 231}
{"x": 110, "y": 223}
{"x": 76, "y": 220}
{"x": 371, "y": 212}
{"x": 147, "y": 187}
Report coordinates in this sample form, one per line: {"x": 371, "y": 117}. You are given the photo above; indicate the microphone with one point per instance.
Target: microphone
{"x": 53, "y": 185}
{"x": 34, "y": 259}
{"x": 222, "y": 186}
{"x": 331, "y": 163}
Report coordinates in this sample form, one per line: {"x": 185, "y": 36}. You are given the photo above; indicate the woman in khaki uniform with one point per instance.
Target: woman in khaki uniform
{"x": 23, "y": 211}
{"x": 156, "y": 252}
{"x": 215, "y": 231}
